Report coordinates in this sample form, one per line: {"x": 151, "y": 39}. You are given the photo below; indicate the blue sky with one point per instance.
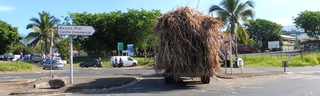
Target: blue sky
{"x": 18, "y": 12}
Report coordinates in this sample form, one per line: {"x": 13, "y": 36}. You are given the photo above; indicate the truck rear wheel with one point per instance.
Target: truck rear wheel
{"x": 205, "y": 79}
{"x": 168, "y": 80}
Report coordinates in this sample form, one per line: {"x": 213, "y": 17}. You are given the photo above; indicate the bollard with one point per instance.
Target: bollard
{"x": 10, "y": 68}
{"x": 284, "y": 64}
{"x": 4, "y": 70}
{"x": 240, "y": 64}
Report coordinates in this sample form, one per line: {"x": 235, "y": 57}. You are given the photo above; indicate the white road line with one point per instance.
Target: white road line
{"x": 309, "y": 77}
{"x": 313, "y": 78}
{"x": 296, "y": 77}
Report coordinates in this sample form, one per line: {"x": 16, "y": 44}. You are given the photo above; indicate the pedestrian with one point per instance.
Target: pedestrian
{"x": 4, "y": 57}
{"x": 99, "y": 63}
{"x": 21, "y": 55}
{"x": 121, "y": 62}
{"x": 115, "y": 62}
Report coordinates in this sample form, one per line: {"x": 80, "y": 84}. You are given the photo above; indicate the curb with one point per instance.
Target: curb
{"x": 42, "y": 87}
{"x": 246, "y": 75}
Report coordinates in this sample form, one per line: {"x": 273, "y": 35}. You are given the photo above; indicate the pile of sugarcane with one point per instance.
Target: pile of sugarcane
{"x": 188, "y": 43}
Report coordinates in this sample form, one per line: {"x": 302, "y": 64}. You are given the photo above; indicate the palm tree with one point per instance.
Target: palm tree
{"x": 42, "y": 28}
{"x": 230, "y": 12}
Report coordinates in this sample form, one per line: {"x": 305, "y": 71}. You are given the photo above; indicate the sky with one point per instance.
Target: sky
{"x": 18, "y": 12}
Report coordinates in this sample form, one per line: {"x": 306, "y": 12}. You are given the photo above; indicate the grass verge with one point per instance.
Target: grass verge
{"x": 274, "y": 61}
{"x": 17, "y": 66}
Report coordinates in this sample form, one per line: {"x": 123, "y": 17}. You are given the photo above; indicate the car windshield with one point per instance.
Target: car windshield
{"x": 54, "y": 61}
{"x": 49, "y": 61}
{"x": 8, "y": 54}
{"x": 36, "y": 55}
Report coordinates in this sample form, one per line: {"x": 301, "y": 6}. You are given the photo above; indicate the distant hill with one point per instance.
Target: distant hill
{"x": 290, "y": 27}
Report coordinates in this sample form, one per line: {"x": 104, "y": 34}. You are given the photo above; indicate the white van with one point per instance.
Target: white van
{"x": 126, "y": 61}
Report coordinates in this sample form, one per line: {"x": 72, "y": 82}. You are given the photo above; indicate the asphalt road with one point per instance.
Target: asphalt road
{"x": 152, "y": 84}
{"x": 277, "y": 85}
{"x": 78, "y": 72}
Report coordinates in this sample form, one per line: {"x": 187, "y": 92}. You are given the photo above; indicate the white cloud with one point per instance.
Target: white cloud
{"x": 5, "y": 8}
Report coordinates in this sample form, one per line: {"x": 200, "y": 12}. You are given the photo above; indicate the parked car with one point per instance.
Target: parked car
{"x": 7, "y": 56}
{"x": 55, "y": 64}
{"x": 36, "y": 58}
{"x": 89, "y": 63}
{"x": 126, "y": 61}
{"x": 60, "y": 60}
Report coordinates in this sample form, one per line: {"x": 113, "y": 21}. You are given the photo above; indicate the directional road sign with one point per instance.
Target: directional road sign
{"x": 75, "y": 30}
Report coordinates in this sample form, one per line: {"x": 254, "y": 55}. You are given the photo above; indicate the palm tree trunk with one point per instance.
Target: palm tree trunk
{"x": 234, "y": 33}
{"x": 46, "y": 46}
{"x": 236, "y": 49}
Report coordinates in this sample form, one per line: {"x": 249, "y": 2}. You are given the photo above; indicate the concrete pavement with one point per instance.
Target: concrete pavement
{"x": 250, "y": 72}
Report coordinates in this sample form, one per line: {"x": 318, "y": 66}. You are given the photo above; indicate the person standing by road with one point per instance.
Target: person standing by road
{"x": 120, "y": 62}
{"x": 99, "y": 63}
{"x": 4, "y": 57}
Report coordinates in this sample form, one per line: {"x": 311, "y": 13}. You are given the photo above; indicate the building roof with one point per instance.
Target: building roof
{"x": 288, "y": 37}
{"x": 312, "y": 40}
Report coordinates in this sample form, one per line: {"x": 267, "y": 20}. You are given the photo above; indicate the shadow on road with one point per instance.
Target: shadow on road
{"x": 141, "y": 75}
{"x": 147, "y": 85}
{"x": 87, "y": 84}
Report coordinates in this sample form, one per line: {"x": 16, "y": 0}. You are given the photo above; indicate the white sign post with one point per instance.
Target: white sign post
{"x": 74, "y": 30}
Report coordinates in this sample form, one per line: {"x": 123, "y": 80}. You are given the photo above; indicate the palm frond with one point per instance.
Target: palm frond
{"x": 247, "y": 13}
{"x": 32, "y": 36}
{"x": 241, "y": 33}
{"x": 229, "y": 5}
{"x": 250, "y": 3}
{"x": 35, "y": 42}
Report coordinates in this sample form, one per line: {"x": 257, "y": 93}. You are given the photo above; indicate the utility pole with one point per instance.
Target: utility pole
{"x": 51, "y": 53}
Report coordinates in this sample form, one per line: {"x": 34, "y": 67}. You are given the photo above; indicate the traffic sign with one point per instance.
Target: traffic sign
{"x": 130, "y": 49}
{"x": 75, "y": 30}
{"x": 120, "y": 45}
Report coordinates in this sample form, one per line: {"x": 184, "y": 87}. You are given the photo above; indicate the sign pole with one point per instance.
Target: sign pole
{"x": 74, "y": 30}
{"x": 71, "y": 60}
{"x": 51, "y": 56}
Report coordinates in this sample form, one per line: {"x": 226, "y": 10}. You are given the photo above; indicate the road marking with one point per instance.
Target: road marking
{"x": 297, "y": 77}
{"x": 313, "y": 77}
{"x": 309, "y": 77}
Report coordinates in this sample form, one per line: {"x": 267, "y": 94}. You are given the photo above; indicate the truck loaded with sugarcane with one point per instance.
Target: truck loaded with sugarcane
{"x": 188, "y": 45}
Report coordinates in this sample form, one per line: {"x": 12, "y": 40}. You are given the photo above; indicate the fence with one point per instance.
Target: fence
{"x": 282, "y": 54}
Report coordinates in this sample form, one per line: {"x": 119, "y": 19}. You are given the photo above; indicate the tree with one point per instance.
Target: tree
{"x": 310, "y": 22}
{"x": 9, "y": 36}
{"x": 63, "y": 47}
{"x": 230, "y": 12}
{"x": 42, "y": 28}
{"x": 132, "y": 27}
{"x": 262, "y": 30}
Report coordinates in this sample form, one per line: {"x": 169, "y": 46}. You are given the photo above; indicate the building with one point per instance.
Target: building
{"x": 302, "y": 40}
{"x": 288, "y": 42}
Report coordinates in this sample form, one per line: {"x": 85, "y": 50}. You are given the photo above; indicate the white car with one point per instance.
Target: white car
{"x": 126, "y": 61}
{"x": 60, "y": 60}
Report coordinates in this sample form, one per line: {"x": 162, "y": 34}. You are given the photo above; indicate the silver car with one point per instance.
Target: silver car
{"x": 55, "y": 64}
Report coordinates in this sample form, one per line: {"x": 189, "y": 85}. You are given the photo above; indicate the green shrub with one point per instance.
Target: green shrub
{"x": 141, "y": 60}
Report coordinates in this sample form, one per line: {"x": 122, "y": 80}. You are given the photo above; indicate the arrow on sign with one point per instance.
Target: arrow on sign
{"x": 75, "y": 30}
